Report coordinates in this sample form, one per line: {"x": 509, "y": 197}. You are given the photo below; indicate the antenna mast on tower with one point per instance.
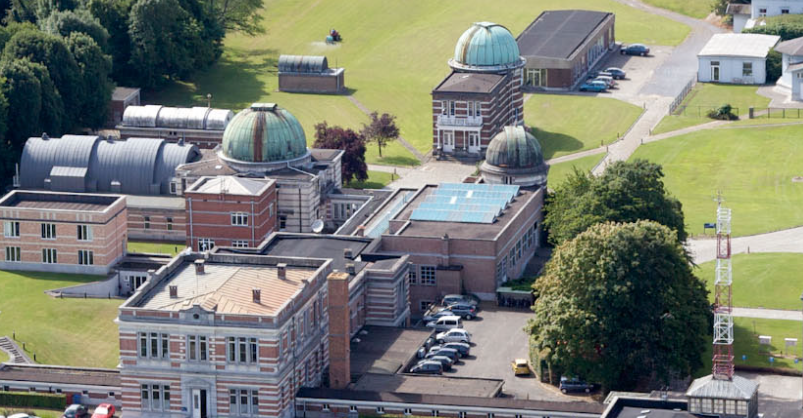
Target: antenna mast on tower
{"x": 723, "y": 318}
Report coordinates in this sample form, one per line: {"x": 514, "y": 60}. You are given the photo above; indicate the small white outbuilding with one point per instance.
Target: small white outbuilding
{"x": 737, "y": 58}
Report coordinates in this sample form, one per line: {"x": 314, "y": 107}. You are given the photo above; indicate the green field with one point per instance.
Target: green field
{"x": 753, "y": 167}
{"x": 706, "y": 96}
{"x": 171, "y": 248}
{"x": 567, "y": 124}
{"x": 695, "y": 8}
{"x": 376, "y": 180}
{"x": 41, "y": 413}
{"x": 72, "y": 332}
{"x": 559, "y": 172}
{"x": 394, "y": 53}
{"x": 761, "y": 280}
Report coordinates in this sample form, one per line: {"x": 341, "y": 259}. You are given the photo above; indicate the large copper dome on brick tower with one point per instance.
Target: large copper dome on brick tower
{"x": 486, "y": 46}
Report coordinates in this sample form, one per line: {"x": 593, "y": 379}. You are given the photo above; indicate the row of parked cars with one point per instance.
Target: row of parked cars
{"x": 600, "y": 81}
{"x": 75, "y": 410}
{"x": 452, "y": 342}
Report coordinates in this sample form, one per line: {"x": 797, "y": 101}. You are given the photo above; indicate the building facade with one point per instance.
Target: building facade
{"x": 62, "y": 232}
{"x": 746, "y": 16}
{"x": 792, "y": 68}
{"x": 309, "y": 74}
{"x": 202, "y": 126}
{"x": 481, "y": 94}
{"x": 735, "y": 58}
{"x": 561, "y": 46}
{"x": 230, "y": 211}
{"x": 122, "y": 97}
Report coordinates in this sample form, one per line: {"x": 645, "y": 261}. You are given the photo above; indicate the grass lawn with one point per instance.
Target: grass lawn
{"x": 376, "y": 180}
{"x": 567, "y": 124}
{"x": 753, "y": 167}
{"x": 695, "y": 8}
{"x": 41, "y": 413}
{"x": 705, "y": 96}
{"x": 171, "y": 248}
{"x": 558, "y": 172}
{"x": 761, "y": 280}
{"x": 73, "y": 332}
{"x": 394, "y": 54}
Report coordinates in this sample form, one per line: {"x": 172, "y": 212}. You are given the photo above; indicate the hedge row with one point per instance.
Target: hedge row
{"x": 32, "y": 400}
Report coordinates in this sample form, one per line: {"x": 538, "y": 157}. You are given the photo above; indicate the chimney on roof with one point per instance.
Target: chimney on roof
{"x": 282, "y": 268}
{"x": 199, "y": 266}
{"x": 173, "y": 291}
{"x": 360, "y": 231}
{"x": 44, "y": 136}
{"x": 348, "y": 253}
{"x": 256, "y": 294}
{"x": 351, "y": 269}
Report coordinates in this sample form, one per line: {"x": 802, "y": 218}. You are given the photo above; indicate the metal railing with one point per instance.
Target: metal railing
{"x": 446, "y": 120}
{"x": 682, "y": 96}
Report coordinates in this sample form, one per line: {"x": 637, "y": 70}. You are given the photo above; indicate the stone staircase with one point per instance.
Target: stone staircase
{"x": 14, "y": 351}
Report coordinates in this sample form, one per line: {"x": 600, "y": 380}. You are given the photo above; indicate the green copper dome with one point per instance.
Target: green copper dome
{"x": 264, "y": 133}
{"x": 514, "y": 148}
{"x": 486, "y": 44}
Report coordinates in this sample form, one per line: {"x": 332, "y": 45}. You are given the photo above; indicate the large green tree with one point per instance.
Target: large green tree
{"x": 22, "y": 89}
{"x": 619, "y": 303}
{"x": 625, "y": 192}
{"x": 113, "y": 15}
{"x": 95, "y": 70}
{"x": 238, "y": 15}
{"x": 66, "y": 22}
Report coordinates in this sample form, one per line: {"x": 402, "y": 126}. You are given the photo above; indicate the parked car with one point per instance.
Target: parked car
{"x": 438, "y": 313}
{"x": 616, "y": 73}
{"x": 454, "y": 335}
{"x": 635, "y": 49}
{"x": 608, "y": 80}
{"x": 574, "y": 385}
{"x": 449, "y": 300}
{"x": 427, "y": 367}
{"x": 446, "y": 323}
{"x": 75, "y": 410}
{"x": 520, "y": 367}
{"x": 462, "y": 348}
{"x": 595, "y": 86}
{"x": 104, "y": 410}
{"x": 463, "y": 310}
{"x": 594, "y": 74}
{"x": 441, "y": 351}
{"x": 22, "y": 415}
{"x": 445, "y": 362}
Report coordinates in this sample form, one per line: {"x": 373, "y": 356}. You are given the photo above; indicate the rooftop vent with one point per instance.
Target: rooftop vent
{"x": 348, "y": 253}
{"x": 199, "y": 266}
{"x": 173, "y": 291}
{"x": 44, "y": 136}
{"x": 282, "y": 270}
{"x": 268, "y": 107}
{"x": 256, "y": 295}
{"x": 350, "y": 268}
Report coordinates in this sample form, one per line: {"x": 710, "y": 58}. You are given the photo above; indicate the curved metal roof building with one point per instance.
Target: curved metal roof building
{"x": 157, "y": 116}
{"x": 486, "y": 46}
{"x": 303, "y": 63}
{"x": 514, "y": 157}
{"x": 87, "y": 163}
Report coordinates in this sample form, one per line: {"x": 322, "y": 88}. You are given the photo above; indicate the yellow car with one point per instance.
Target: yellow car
{"x": 520, "y": 367}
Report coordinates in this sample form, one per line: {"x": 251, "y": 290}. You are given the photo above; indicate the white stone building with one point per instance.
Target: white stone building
{"x": 735, "y": 58}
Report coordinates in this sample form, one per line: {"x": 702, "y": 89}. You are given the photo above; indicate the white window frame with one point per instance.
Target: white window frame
{"x": 84, "y": 232}
{"x": 747, "y": 72}
{"x": 240, "y": 243}
{"x": 151, "y": 389}
{"x": 48, "y": 231}
{"x": 13, "y": 254}
{"x": 11, "y": 229}
{"x": 197, "y": 348}
{"x": 242, "y": 350}
{"x": 50, "y": 256}
{"x": 412, "y": 274}
{"x": 149, "y": 341}
{"x": 86, "y": 257}
{"x": 205, "y": 244}
{"x": 239, "y": 219}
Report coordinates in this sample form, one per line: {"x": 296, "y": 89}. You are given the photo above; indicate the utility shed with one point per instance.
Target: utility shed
{"x": 736, "y": 58}
{"x": 309, "y": 74}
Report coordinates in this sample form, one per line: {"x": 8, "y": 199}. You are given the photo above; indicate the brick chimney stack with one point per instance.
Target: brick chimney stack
{"x": 199, "y": 266}
{"x": 173, "y": 291}
{"x": 282, "y": 270}
{"x": 339, "y": 331}
{"x": 256, "y": 295}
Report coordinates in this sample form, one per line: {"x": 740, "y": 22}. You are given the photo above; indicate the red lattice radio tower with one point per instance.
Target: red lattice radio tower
{"x": 723, "y": 318}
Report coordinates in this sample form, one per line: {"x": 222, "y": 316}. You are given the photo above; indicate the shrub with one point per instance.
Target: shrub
{"x": 724, "y": 112}
{"x": 32, "y": 400}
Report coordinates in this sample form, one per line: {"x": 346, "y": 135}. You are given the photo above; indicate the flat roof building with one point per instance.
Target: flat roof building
{"x": 309, "y": 74}
{"x": 737, "y": 58}
{"x": 62, "y": 232}
{"x": 561, "y": 46}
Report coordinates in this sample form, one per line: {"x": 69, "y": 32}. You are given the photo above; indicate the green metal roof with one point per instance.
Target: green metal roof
{"x": 264, "y": 133}
{"x": 514, "y": 147}
{"x": 486, "y": 44}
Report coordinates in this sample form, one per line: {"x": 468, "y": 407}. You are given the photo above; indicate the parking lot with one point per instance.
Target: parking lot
{"x": 639, "y": 70}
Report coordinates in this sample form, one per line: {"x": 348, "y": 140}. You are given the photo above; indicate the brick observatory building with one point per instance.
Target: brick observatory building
{"x": 481, "y": 95}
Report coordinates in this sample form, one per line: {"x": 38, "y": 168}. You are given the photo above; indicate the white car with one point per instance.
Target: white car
{"x": 446, "y": 323}
{"x": 455, "y": 335}
{"x": 22, "y": 415}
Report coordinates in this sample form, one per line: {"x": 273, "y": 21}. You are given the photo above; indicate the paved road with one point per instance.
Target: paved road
{"x": 778, "y": 396}
{"x": 786, "y": 241}
{"x": 768, "y": 314}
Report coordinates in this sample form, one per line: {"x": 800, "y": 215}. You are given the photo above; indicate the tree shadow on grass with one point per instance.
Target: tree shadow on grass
{"x": 399, "y": 160}
{"x": 364, "y": 185}
{"x": 554, "y": 142}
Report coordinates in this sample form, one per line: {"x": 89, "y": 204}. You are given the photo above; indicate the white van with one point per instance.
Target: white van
{"x": 446, "y": 323}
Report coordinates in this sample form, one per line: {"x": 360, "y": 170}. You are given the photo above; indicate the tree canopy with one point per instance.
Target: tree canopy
{"x": 625, "y": 192}
{"x": 381, "y": 130}
{"x": 353, "y": 163}
{"x": 619, "y": 303}
{"x": 66, "y": 22}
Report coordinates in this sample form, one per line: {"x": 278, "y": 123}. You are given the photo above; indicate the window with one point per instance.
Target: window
{"x": 155, "y": 397}
{"x": 147, "y": 221}
{"x": 13, "y": 254}
{"x": 169, "y": 224}
{"x": 353, "y": 408}
{"x": 747, "y": 69}
{"x": 173, "y": 187}
{"x": 785, "y": 11}
{"x": 239, "y": 243}
{"x": 518, "y": 248}
{"x": 501, "y": 271}
{"x": 137, "y": 281}
{"x": 242, "y": 350}
{"x": 282, "y": 222}
{"x": 424, "y": 305}
{"x": 243, "y": 402}
{"x": 380, "y": 409}
{"x": 741, "y": 408}
{"x": 477, "y": 109}
{"x": 49, "y": 256}
{"x": 48, "y": 231}
{"x": 762, "y": 12}
{"x": 435, "y": 413}
{"x": 706, "y": 406}
{"x": 154, "y": 345}
{"x": 730, "y": 407}
{"x": 428, "y": 275}
{"x": 535, "y": 77}
{"x": 408, "y": 411}
{"x": 451, "y": 107}
{"x": 412, "y": 274}
{"x": 84, "y": 232}
{"x": 512, "y": 257}
{"x": 461, "y": 414}
{"x": 239, "y": 219}
{"x": 197, "y": 348}
{"x": 205, "y": 244}
{"x": 86, "y": 257}
{"x": 325, "y": 407}
{"x": 719, "y": 406}
{"x": 11, "y": 229}
{"x": 444, "y": 106}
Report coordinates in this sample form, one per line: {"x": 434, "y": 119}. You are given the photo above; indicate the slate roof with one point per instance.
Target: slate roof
{"x": 558, "y": 33}
{"x": 470, "y": 83}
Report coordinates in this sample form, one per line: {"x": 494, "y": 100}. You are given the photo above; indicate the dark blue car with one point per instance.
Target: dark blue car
{"x": 635, "y": 49}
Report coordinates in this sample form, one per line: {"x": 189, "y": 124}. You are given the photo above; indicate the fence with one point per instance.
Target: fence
{"x": 701, "y": 111}
{"x": 682, "y": 96}
{"x": 776, "y": 113}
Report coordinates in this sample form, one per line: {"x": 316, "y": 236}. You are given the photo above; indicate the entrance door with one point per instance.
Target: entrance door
{"x": 473, "y": 142}
{"x": 199, "y": 403}
{"x": 448, "y": 141}
{"x": 715, "y": 72}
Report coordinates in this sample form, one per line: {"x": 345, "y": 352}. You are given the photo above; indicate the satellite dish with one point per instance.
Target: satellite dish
{"x": 317, "y": 226}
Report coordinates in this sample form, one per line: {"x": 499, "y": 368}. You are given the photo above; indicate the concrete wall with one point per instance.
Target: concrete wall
{"x": 730, "y": 70}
